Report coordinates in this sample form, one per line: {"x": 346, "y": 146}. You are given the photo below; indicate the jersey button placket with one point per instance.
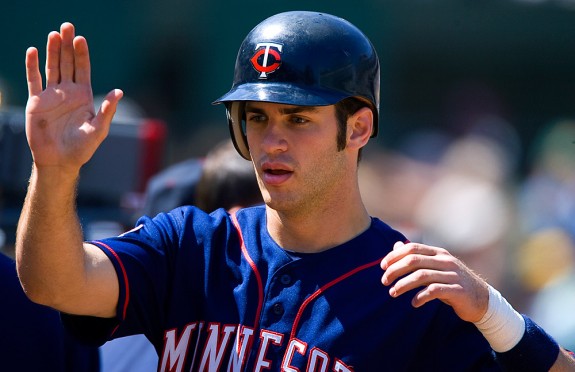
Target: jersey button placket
{"x": 278, "y": 309}
{"x": 285, "y": 279}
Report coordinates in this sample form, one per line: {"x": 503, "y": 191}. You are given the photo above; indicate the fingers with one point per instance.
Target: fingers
{"x": 33, "y": 76}
{"x": 53, "y": 59}
{"x": 443, "y": 292}
{"x": 67, "y": 58}
{"x": 416, "y": 265}
{"x": 81, "y": 60}
{"x": 433, "y": 280}
{"x": 385, "y": 261}
{"x": 60, "y": 59}
{"x": 67, "y": 52}
{"x": 408, "y": 258}
{"x": 401, "y": 249}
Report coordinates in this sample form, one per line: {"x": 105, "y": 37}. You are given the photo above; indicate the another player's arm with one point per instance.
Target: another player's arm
{"x": 442, "y": 276}
{"x": 565, "y": 362}
{"x": 54, "y": 265}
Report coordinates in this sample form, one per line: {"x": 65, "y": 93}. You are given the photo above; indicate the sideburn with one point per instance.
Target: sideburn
{"x": 343, "y": 110}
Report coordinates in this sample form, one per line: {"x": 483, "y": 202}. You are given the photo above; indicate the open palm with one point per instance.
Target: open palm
{"x": 62, "y": 127}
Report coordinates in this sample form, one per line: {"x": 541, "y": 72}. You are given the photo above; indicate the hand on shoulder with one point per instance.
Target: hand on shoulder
{"x": 440, "y": 275}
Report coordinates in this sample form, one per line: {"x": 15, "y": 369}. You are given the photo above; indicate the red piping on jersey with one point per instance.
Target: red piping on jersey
{"x": 254, "y": 268}
{"x": 320, "y": 291}
{"x": 125, "y": 275}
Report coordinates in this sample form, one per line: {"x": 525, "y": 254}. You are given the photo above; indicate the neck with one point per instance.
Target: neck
{"x": 321, "y": 228}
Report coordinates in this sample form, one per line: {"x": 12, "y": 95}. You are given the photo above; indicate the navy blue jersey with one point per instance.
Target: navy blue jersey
{"x": 213, "y": 292}
{"x": 32, "y": 337}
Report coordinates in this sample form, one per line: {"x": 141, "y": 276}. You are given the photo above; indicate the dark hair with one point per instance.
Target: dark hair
{"x": 343, "y": 110}
{"x": 227, "y": 180}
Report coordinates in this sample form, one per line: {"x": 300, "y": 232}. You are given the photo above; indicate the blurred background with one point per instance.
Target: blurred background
{"x": 476, "y": 150}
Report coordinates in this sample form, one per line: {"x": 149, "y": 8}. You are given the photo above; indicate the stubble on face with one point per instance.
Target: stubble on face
{"x": 316, "y": 186}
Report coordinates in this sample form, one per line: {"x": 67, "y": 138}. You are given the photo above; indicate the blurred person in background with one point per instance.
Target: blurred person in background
{"x": 546, "y": 256}
{"x": 545, "y": 265}
{"x": 32, "y": 337}
{"x": 453, "y": 191}
{"x": 468, "y": 207}
{"x": 547, "y": 195}
{"x": 228, "y": 181}
{"x": 172, "y": 187}
{"x": 393, "y": 182}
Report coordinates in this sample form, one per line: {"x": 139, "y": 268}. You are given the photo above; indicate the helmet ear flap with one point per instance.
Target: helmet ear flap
{"x": 235, "y": 113}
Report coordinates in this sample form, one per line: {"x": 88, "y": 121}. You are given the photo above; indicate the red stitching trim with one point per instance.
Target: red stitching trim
{"x": 125, "y": 274}
{"x": 254, "y": 268}
{"x": 314, "y": 295}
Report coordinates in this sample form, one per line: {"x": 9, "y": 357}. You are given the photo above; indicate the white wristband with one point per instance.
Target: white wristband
{"x": 502, "y": 326}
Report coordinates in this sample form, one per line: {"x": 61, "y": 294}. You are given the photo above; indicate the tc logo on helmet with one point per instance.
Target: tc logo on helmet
{"x": 267, "y": 58}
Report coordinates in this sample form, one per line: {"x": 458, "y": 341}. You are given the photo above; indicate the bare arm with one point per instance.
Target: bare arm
{"x": 55, "y": 267}
{"x": 565, "y": 362}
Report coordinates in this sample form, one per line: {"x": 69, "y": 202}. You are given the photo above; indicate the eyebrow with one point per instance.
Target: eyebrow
{"x": 283, "y": 110}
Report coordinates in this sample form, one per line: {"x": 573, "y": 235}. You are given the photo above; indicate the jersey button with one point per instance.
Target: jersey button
{"x": 285, "y": 279}
{"x": 278, "y": 309}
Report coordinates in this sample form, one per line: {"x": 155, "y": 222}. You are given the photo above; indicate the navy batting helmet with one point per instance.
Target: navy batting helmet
{"x": 305, "y": 59}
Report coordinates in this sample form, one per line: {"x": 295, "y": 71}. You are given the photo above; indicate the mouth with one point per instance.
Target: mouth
{"x": 275, "y": 174}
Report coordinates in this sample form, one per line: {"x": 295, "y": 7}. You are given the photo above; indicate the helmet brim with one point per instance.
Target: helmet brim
{"x": 290, "y": 94}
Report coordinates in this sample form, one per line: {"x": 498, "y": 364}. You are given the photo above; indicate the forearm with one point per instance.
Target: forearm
{"x": 565, "y": 362}
{"x": 520, "y": 344}
{"x": 49, "y": 253}
{"x": 537, "y": 351}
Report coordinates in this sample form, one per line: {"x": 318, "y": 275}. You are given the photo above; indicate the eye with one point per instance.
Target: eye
{"x": 255, "y": 118}
{"x": 298, "y": 120}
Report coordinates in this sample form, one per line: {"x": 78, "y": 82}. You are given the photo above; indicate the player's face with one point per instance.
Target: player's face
{"x": 295, "y": 155}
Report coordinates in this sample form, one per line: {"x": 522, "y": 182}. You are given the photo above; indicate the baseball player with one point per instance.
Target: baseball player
{"x": 294, "y": 285}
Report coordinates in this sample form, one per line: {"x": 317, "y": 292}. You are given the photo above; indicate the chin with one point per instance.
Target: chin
{"x": 283, "y": 204}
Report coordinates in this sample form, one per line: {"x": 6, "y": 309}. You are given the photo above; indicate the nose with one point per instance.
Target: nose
{"x": 274, "y": 137}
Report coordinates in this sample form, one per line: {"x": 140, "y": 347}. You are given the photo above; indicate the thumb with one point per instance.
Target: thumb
{"x": 108, "y": 107}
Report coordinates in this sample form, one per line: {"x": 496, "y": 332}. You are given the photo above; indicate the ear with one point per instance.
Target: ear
{"x": 359, "y": 128}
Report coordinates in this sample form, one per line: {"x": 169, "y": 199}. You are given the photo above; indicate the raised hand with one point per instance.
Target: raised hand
{"x": 62, "y": 127}
{"x": 439, "y": 274}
